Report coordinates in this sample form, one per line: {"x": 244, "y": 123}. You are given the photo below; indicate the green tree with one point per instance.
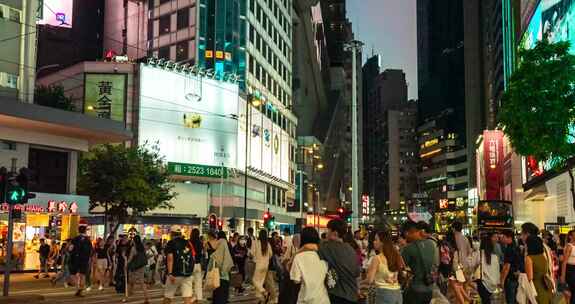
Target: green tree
{"x": 122, "y": 179}
{"x": 53, "y": 96}
{"x": 538, "y": 110}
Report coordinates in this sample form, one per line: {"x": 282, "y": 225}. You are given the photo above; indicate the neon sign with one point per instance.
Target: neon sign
{"x": 52, "y": 206}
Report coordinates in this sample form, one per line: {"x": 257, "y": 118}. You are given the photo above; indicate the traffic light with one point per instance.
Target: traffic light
{"x": 212, "y": 221}
{"x": 272, "y": 223}
{"x": 232, "y": 223}
{"x": 220, "y": 225}
{"x": 16, "y": 187}
{"x": 348, "y": 216}
{"x": 267, "y": 218}
{"x": 341, "y": 213}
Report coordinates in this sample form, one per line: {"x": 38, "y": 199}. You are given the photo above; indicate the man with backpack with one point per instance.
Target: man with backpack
{"x": 420, "y": 255}
{"x": 80, "y": 253}
{"x": 179, "y": 268}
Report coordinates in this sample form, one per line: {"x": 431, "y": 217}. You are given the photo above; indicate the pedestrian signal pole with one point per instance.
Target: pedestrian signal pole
{"x": 14, "y": 189}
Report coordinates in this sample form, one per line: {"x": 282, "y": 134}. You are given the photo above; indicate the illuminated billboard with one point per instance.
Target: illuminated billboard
{"x": 193, "y": 120}
{"x": 269, "y": 146}
{"x": 56, "y": 12}
{"x": 555, "y": 17}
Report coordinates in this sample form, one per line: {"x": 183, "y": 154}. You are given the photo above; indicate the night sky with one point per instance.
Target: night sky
{"x": 389, "y": 27}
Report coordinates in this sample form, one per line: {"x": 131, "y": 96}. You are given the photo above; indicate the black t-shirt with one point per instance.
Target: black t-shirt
{"x": 512, "y": 256}
{"x": 101, "y": 253}
{"x": 174, "y": 246}
{"x": 44, "y": 250}
{"x": 82, "y": 248}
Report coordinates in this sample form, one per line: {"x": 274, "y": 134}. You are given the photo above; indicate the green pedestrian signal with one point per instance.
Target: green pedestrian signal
{"x": 15, "y": 195}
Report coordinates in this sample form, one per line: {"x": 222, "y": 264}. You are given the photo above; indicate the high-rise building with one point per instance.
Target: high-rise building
{"x": 445, "y": 45}
{"x": 247, "y": 39}
{"x": 18, "y": 49}
{"x": 338, "y": 30}
{"x": 76, "y": 41}
{"x": 370, "y": 71}
{"x": 390, "y": 148}
{"x": 443, "y": 172}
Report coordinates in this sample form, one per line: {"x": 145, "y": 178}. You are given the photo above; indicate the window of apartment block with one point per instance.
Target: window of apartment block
{"x": 183, "y": 18}
{"x": 165, "y": 24}
{"x": 252, "y": 6}
{"x": 259, "y": 14}
{"x": 252, "y": 34}
{"x": 151, "y": 4}
{"x": 251, "y": 64}
{"x": 164, "y": 52}
{"x": 164, "y": 1}
{"x": 182, "y": 51}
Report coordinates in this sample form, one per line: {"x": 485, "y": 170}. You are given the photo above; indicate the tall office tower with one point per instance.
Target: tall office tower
{"x": 389, "y": 144}
{"x": 442, "y": 112}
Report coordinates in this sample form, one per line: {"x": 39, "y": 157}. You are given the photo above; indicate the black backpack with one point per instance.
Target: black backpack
{"x": 184, "y": 259}
{"x": 138, "y": 261}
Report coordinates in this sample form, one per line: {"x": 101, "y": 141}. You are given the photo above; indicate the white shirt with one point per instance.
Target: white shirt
{"x": 310, "y": 271}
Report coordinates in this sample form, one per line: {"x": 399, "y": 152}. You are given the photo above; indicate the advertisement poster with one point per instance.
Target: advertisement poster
{"x": 192, "y": 120}
{"x": 276, "y": 149}
{"x": 285, "y": 156}
{"x": 242, "y": 133}
{"x": 493, "y": 163}
{"x": 267, "y": 146}
{"x": 256, "y": 139}
{"x": 105, "y": 96}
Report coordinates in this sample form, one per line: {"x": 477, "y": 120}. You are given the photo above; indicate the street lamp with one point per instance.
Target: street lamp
{"x": 354, "y": 46}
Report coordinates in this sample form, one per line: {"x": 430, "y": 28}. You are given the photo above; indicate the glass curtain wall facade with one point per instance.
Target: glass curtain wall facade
{"x": 222, "y": 37}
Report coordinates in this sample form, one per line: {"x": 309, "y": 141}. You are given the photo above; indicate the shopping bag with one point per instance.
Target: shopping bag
{"x": 213, "y": 278}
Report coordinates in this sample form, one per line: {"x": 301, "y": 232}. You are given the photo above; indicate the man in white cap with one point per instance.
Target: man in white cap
{"x": 179, "y": 268}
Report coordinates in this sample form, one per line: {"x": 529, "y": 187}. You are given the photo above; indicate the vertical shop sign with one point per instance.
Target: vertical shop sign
{"x": 493, "y": 163}
{"x": 365, "y": 206}
{"x": 105, "y": 96}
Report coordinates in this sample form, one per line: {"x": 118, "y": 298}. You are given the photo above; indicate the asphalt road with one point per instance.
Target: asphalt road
{"x": 23, "y": 285}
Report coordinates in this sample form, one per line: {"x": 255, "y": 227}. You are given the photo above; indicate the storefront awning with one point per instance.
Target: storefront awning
{"x": 537, "y": 192}
{"x": 37, "y": 119}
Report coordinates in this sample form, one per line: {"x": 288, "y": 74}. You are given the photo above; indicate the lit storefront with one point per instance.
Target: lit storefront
{"x": 449, "y": 211}
{"x": 54, "y": 217}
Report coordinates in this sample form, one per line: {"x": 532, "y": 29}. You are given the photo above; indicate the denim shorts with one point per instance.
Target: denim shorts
{"x": 388, "y": 296}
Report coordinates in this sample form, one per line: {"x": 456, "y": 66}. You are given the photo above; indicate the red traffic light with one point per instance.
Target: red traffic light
{"x": 266, "y": 215}
{"x": 220, "y": 223}
{"x": 340, "y": 210}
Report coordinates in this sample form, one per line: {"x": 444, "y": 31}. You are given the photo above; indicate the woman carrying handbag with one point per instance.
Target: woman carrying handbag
{"x": 221, "y": 262}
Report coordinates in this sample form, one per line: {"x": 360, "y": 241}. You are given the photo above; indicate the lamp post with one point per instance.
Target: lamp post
{"x": 251, "y": 101}
{"x": 354, "y": 46}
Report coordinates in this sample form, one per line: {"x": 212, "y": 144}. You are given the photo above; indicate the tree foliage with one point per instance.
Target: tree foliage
{"x": 125, "y": 178}
{"x": 53, "y": 96}
{"x": 538, "y": 109}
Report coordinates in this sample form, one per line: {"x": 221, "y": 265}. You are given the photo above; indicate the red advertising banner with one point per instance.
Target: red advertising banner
{"x": 493, "y": 164}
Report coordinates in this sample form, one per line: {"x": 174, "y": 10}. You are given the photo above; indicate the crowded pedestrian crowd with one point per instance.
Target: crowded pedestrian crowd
{"x": 409, "y": 265}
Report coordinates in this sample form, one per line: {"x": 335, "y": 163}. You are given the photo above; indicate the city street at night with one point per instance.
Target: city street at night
{"x": 287, "y": 151}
